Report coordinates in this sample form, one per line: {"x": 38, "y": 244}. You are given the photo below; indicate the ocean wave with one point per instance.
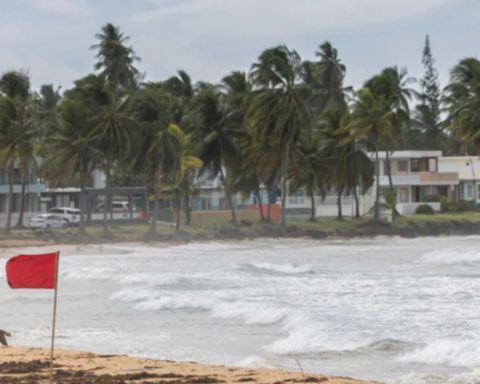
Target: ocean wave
{"x": 450, "y": 256}
{"x": 251, "y": 313}
{"x": 180, "y": 302}
{"x": 89, "y": 273}
{"x": 464, "y": 352}
{"x": 472, "y": 377}
{"x": 286, "y": 268}
{"x": 133, "y": 295}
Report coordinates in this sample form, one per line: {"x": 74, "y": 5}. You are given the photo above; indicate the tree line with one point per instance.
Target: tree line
{"x": 286, "y": 124}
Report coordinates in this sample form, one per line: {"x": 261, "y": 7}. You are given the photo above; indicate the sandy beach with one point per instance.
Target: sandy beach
{"x": 22, "y": 365}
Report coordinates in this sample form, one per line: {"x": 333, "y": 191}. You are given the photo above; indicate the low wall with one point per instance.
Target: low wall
{"x": 200, "y": 218}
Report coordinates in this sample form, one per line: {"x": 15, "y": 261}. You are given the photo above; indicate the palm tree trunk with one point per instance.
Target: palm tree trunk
{"x": 357, "y": 204}
{"x": 313, "y": 212}
{"x": 22, "y": 202}
{"x": 188, "y": 209}
{"x": 339, "y": 204}
{"x": 376, "y": 211}
{"x": 178, "y": 208}
{"x": 81, "y": 225}
{"x": 229, "y": 197}
{"x": 390, "y": 185}
{"x": 284, "y": 184}
{"x": 259, "y": 201}
{"x": 156, "y": 188}
{"x": 106, "y": 203}
{"x": 10, "y": 198}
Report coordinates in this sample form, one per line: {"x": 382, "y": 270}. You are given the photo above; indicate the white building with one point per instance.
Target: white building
{"x": 416, "y": 176}
{"x": 468, "y": 170}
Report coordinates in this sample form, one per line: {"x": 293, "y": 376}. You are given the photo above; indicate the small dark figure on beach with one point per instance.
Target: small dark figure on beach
{"x": 3, "y": 339}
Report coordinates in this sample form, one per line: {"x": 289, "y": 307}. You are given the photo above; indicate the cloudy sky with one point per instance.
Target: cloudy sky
{"x": 209, "y": 38}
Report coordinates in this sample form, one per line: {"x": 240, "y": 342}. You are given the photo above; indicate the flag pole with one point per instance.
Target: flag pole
{"x": 57, "y": 262}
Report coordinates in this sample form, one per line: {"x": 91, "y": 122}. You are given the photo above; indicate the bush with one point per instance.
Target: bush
{"x": 432, "y": 198}
{"x": 424, "y": 209}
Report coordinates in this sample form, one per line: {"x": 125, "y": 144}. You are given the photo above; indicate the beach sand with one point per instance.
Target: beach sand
{"x": 22, "y": 365}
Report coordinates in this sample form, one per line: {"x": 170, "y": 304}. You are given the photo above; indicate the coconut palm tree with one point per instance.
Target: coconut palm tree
{"x": 279, "y": 111}
{"x": 160, "y": 143}
{"x": 215, "y": 135}
{"x": 15, "y": 86}
{"x": 116, "y": 59}
{"x": 463, "y": 102}
{"x": 70, "y": 150}
{"x": 393, "y": 87}
{"x": 370, "y": 120}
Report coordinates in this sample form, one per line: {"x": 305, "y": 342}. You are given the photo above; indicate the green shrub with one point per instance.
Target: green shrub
{"x": 432, "y": 198}
{"x": 424, "y": 209}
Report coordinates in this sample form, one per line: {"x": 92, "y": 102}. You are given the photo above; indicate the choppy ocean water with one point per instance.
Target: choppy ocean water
{"x": 395, "y": 310}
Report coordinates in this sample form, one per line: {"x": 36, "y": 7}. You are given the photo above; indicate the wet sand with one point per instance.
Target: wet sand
{"x": 22, "y": 365}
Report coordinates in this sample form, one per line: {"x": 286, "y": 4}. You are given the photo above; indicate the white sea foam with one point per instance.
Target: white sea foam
{"x": 286, "y": 268}
{"x": 471, "y": 377}
{"x": 451, "y": 255}
{"x": 461, "y": 352}
{"x": 251, "y": 313}
{"x": 179, "y": 302}
{"x": 133, "y": 295}
{"x": 253, "y": 362}
{"x": 89, "y": 273}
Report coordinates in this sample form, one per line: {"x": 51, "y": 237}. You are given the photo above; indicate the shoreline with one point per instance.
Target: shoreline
{"x": 344, "y": 231}
{"x": 23, "y": 363}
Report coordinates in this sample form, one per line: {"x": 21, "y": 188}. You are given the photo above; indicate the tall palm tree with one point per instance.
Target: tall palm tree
{"x": 115, "y": 59}
{"x": 112, "y": 135}
{"x": 370, "y": 120}
{"x": 70, "y": 150}
{"x": 215, "y": 135}
{"x": 15, "y": 86}
{"x": 279, "y": 111}
{"x": 160, "y": 143}
{"x": 463, "y": 103}
{"x": 393, "y": 87}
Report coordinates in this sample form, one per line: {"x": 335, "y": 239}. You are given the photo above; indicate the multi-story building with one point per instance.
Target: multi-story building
{"x": 468, "y": 170}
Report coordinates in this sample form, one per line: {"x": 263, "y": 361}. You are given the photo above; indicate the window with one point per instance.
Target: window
{"x": 402, "y": 165}
{"x": 432, "y": 165}
{"x": 414, "y": 165}
{"x": 385, "y": 168}
{"x": 469, "y": 192}
{"x": 403, "y": 195}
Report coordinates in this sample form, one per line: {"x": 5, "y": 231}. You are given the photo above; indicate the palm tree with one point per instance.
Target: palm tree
{"x": 112, "y": 135}
{"x": 15, "y": 86}
{"x": 70, "y": 150}
{"x": 311, "y": 169}
{"x": 161, "y": 144}
{"x": 279, "y": 111}
{"x": 392, "y": 86}
{"x": 215, "y": 135}
{"x": 116, "y": 59}
{"x": 370, "y": 120}
{"x": 463, "y": 102}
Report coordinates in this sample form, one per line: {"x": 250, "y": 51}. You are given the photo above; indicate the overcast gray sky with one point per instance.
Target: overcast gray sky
{"x": 210, "y": 38}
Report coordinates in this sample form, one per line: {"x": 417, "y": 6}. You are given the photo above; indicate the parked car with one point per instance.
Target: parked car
{"x": 117, "y": 206}
{"x": 46, "y": 221}
{"x": 70, "y": 215}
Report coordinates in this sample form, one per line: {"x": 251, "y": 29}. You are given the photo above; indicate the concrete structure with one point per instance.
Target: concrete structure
{"x": 468, "y": 170}
{"x": 33, "y": 190}
{"x": 415, "y": 176}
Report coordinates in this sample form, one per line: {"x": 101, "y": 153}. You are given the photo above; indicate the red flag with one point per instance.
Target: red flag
{"x": 32, "y": 271}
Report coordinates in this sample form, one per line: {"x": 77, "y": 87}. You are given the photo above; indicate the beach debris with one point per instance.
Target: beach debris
{"x": 3, "y": 337}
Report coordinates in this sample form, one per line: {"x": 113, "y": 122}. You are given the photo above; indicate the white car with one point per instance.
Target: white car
{"x": 70, "y": 215}
{"x": 117, "y": 206}
{"x": 47, "y": 221}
